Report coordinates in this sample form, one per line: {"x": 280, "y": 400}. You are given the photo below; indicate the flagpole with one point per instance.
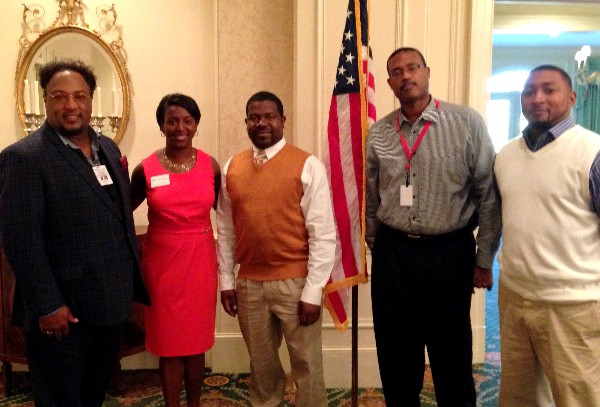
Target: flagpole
{"x": 351, "y": 111}
{"x": 355, "y": 346}
{"x": 364, "y": 124}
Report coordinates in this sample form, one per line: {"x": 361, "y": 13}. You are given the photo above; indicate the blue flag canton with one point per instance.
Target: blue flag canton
{"x": 347, "y": 78}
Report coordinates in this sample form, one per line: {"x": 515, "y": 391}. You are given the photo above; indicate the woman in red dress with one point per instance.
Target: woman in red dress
{"x": 181, "y": 185}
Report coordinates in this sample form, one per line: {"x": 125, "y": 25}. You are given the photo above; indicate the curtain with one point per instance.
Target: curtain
{"x": 587, "y": 107}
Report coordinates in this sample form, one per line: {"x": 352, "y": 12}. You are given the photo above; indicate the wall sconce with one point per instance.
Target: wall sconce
{"x": 583, "y": 77}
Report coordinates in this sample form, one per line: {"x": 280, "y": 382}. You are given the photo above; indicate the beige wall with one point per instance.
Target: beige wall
{"x": 255, "y": 53}
{"x": 222, "y": 51}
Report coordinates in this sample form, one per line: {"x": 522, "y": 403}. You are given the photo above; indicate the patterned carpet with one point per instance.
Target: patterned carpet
{"x": 220, "y": 390}
{"x": 230, "y": 390}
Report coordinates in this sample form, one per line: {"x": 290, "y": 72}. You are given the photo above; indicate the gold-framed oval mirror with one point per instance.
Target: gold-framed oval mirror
{"x": 111, "y": 104}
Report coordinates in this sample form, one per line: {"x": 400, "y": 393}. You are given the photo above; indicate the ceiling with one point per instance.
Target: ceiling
{"x": 546, "y": 2}
{"x": 547, "y": 23}
{"x": 564, "y": 39}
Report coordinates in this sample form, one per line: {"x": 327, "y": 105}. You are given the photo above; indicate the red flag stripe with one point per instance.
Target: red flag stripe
{"x": 338, "y": 184}
{"x": 351, "y": 112}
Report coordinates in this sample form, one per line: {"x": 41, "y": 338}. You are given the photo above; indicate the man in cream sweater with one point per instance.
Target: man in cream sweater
{"x": 549, "y": 294}
{"x": 275, "y": 220}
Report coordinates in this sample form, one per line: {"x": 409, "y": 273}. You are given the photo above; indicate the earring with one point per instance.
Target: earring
{"x": 162, "y": 134}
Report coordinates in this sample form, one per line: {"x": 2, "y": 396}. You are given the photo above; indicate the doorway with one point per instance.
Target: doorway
{"x": 528, "y": 34}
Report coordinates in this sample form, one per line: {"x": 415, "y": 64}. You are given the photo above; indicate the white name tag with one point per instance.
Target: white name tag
{"x": 160, "y": 181}
{"x": 406, "y": 195}
{"x": 102, "y": 175}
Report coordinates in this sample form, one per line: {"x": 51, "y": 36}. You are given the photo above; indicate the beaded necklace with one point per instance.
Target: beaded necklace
{"x": 177, "y": 167}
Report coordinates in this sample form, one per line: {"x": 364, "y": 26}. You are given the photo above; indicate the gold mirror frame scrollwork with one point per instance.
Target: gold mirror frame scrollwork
{"x": 66, "y": 23}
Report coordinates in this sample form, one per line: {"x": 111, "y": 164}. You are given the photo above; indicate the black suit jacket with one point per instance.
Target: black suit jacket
{"x": 68, "y": 241}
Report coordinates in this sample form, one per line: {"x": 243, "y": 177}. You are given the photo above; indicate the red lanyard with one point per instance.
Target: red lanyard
{"x": 411, "y": 152}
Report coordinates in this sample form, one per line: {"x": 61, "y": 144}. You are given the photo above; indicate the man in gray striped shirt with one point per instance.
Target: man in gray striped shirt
{"x": 429, "y": 184}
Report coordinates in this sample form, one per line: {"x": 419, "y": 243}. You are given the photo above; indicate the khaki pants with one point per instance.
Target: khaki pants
{"x": 268, "y": 311}
{"x": 548, "y": 351}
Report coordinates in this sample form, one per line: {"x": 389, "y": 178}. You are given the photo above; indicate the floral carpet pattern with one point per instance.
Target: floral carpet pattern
{"x": 231, "y": 390}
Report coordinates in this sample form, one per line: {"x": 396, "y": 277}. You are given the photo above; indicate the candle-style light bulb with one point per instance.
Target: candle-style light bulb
{"x": 99, "y": 101}
{"x": 27, "y": 96}
{"x": 36, "y": 98}
{"x": 115, "y": 103}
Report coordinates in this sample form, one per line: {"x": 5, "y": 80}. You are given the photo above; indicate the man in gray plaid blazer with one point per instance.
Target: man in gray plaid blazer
{"x": 67, "y": 231}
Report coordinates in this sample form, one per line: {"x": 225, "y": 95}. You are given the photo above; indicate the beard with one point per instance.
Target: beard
{"x": 71, "y": 132}
{"x": 539, "y": 123}
{"x": 540, "y": 126}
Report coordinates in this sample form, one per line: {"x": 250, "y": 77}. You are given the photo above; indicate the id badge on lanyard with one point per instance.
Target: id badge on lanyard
{"x": 102, "y": 175}
{"x": 406, "y": 191}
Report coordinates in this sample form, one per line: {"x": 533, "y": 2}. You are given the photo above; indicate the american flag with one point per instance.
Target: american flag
{"x": 351, "y": 113}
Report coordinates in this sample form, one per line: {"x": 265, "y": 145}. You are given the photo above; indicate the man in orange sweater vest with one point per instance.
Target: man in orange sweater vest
{"x": 275, "y": 220}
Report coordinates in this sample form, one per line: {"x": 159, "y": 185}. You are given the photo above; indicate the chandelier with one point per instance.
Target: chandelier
{"x": 583, "y": 77}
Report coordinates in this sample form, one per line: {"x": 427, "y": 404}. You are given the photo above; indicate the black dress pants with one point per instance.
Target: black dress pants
{"x": 421, "y": 296}
{"x": 74, "y": 371}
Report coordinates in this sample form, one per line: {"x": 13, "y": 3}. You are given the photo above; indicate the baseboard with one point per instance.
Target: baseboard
{"x": 478, "y": 344}
{"x": 229, "y": 355}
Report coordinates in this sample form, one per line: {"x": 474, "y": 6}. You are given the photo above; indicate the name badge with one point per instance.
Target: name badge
{"x": 160, "y": 181}
{"x": 102, "y": 175}
{"x": 406, "y": 195}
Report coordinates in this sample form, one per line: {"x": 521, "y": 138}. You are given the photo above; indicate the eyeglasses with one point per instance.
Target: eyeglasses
{"x": 255, "y": 118}
{"x": 61, "y": 98}
{"x": 410, "y": 69}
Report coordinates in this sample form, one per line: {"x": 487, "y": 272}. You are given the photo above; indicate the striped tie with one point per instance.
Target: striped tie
{"x": 261, "y": 157}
